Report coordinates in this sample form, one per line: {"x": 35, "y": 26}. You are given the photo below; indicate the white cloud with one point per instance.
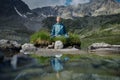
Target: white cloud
{"x": 41, "y": 3}
{"x": 75, "y": 2}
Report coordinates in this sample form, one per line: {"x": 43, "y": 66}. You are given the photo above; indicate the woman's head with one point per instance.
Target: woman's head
{"x": 58, "y": 19}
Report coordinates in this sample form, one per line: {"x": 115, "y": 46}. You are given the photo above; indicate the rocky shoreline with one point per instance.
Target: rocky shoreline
{"x": 22, "y": 62}
{"x": 11, "y": 48}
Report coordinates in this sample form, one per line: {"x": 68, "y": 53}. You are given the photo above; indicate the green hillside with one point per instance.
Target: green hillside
{"x": 92, "y": 29}
{"x": 12, "y": 28}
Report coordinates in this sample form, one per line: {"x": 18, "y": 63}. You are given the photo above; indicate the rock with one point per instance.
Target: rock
{"x": 51, "y": 46}
{"x": 104, "y": 48}
{"x": 15, "y": 44}
{"x": 1, "y": 56}
{"x": 58, "y": 45}
{"x": 93, "y": 8}
{"x": 116, "y": 46}
{"x": 99, "y": 45}
{"x": 7, "y": 7}
{"x": 66, "y": 75}
{"x": 4, "y": 43}
{"x": 25, "y": 61}
{"x": 21, "y": 60}
{"x": 17, "y": 62}
{"x": 28, "y": 48}
{"x": 9, "y": 47}
{"x": 9, "y": 44}
{"x": 86, "y": 77}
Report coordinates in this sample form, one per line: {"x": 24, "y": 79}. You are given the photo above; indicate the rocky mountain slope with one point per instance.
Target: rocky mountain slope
{"x": 13, "y": 15}
{"x": 9, "y": 7}
{"x": 105, "y": 28}
{"x": 17, "y": 20}
{"x": 93, "y": 8}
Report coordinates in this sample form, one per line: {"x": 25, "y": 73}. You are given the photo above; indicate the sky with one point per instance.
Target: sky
{"x": 41, "y": 3}
{"x": 118, "y": 0}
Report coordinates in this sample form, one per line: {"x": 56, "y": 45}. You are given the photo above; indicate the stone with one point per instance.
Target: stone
{"x": 21, "y": 60}
{"x": 9, "y": 44}
{"x": 15, "y": 44}
{"x": 99, "y": 45}
{"x": 51, "y": 46}
{"x": 86, "y": 76}
{"x": 9, "y": 48}
{"x": 4, "y": 43}
{"x": 58, "y": 45}
{"x": 28, "y": 48}
{"x": 116, "y": 46}
{"x": 1, "y": 56}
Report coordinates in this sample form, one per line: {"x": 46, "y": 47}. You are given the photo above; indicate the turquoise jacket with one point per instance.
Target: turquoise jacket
{"x": 58, "y": 29}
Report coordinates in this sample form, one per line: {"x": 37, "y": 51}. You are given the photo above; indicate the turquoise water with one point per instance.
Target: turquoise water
{"x": 83, "y": 68}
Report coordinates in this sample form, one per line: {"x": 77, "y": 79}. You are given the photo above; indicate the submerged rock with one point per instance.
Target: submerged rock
{"x": 13, "y": 62}
{"x": 1, "y": 56}
{"x": 91, "y": 76}
{"x": 17, "y": 62}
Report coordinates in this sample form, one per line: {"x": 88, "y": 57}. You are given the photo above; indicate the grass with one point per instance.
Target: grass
{"x": 108, "y": 34}
{"x": 61, "y": 38}
{"x": 74, "y": 39}
{"x": 44, "y": 38}
{"x": 98, "y": 29}
{"x": 113, "y": 40}
{"x": 40, "y": 38}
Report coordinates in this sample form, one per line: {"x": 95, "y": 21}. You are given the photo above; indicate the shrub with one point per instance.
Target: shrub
{"x": 74, "y": 39}
{"x": 40, "y": 38}
{"x": 43, "y": 38}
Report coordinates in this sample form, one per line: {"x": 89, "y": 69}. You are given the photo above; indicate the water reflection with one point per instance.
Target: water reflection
{"x": 84, "y": 68}
{"x": 57, "y": 64}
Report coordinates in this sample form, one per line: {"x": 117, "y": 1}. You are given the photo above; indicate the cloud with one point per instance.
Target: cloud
{"x": 41, "y": 3}
{"x": 75, "y": 2}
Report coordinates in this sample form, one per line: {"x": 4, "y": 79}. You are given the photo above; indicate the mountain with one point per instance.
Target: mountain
{"x": 12, "y": 7}
{"x": 18, "y": 21}
{"x": 13, "y": 16}
{"x": 97, "y": 21}
{"x": 92, "y": 29}
{"x": 93, "y": 8}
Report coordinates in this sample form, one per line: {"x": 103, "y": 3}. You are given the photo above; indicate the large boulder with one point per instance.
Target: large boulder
{"x": 9, "y": 44}
{"x": 28, "y": 48}
{"x": 58, "y": 45}
{"x": 99, "y": 45}
{"x": 9, "y": 48}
